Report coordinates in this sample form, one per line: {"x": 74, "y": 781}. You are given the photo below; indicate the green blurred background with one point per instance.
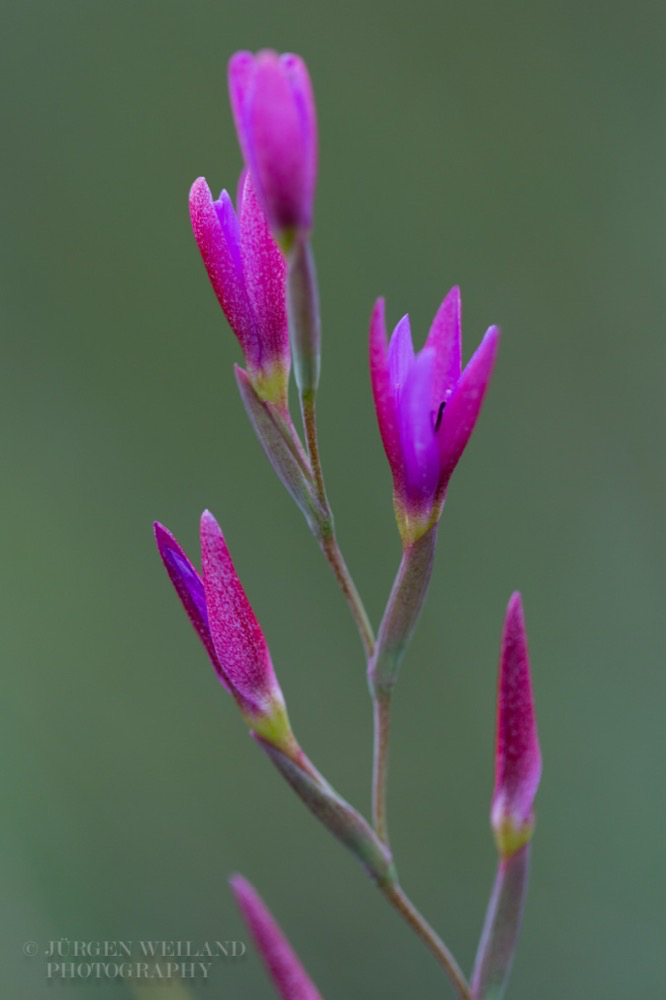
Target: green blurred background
{"x": 517, "y": 149}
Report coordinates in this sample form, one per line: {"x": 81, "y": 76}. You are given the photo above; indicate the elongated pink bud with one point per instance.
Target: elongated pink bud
{"x": 517, "y": 753}
{"x": 225, "y": 622}
{"x": 274, "y": 111}
{"x": 248, "y": 274}
{"x": 284, "y": 967}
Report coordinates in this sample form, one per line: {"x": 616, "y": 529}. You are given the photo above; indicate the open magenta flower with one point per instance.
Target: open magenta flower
{"x": 426, "y": 407}
{"x": 284, "y": 967}
{"x": 274, "y": 111}
{"x": 517, "y": 753}
{"x": 248, "y": 274}
{"x": 223, "y": 619}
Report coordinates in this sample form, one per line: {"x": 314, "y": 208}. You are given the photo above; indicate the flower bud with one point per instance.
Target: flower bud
{"x": 225, "y": 622}
{"x": 274, "y": 112}
{"x": 248, "y": 274}
{"x": 517, "y": 753}
{"x": 284, "y": 967}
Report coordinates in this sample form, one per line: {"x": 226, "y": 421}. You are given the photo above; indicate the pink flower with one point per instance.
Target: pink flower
{"x": 426, "y": 407}
{"x": 290, "y": 978}
{"x": 248, "y": 274}
{"x": 517, "y": 753}
{"x": 274, "y": 111}
{"x": 225, "y": 622}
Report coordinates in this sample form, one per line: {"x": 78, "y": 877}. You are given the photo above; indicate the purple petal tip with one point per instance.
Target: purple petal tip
{"x": 189, "y": 587}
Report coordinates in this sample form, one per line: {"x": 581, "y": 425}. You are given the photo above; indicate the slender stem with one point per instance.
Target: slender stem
{"x": 382, "y": 720}
{"x": 332, "y": 552}
{"x": 329, "y": 543}
{"x": 398, "y": 622}
{"x": 310, "y": 425}
{"x": 303, "y": 314}
{"x": 501, "y": 926}
{"x": 418, "y": 923}
{"x": 305, "y": 335}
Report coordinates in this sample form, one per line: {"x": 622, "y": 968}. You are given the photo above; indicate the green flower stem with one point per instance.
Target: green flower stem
{"x": 352, "y": 830}
{"x": 327, "y": 540}
{"x": 304, "y": 328}
{"x": 303, "y": 315}
{"x": 309, "y": 412}
{"x": 420, "y": 925}
{"x": 381, "y": 704}
{"x": 402, "y": 611}
{"x": 501, "y": 927}
{"x": 332, "y": 552}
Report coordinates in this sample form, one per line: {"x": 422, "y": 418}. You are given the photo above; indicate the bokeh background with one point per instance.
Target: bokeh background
{"x": 517, "y": 149}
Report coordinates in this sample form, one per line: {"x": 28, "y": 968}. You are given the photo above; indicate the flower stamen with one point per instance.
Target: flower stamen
{"x": 440, "y": 413}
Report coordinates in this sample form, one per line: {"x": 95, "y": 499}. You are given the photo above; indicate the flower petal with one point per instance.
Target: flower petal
{"x": 237, "y": 637}
{"x": 274, "y": 113}
{"x": 265, "y": 278}
{"x": 384, "y": 397}
{"x": 303, "y": 95}
{"x": 189, "y": 588}
{"x": 445, "y": 339}
{"x": 416, "y": 419}
{"x": 463, "y": 407}
{"x": 400, "y": 355}
{"x": 240, "y": 73}
{"x": 216, "y": 231}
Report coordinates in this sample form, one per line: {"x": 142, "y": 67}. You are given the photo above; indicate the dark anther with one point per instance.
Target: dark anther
{"x": 439, "y": 414}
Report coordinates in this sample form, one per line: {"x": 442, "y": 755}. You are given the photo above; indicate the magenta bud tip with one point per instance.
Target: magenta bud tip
{"x": 283, "y": 965}
{"x": 517, "y": 752}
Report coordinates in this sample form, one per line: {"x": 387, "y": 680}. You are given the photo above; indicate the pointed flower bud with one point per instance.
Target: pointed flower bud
{"x": 289, "y": 977}
{"x": 224, "y": 621}
{"x": 426, "y": 408}
{"x": 248, "y": 274}
{"x": 274, "y": 112}
{"x": 517, "y": 753}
